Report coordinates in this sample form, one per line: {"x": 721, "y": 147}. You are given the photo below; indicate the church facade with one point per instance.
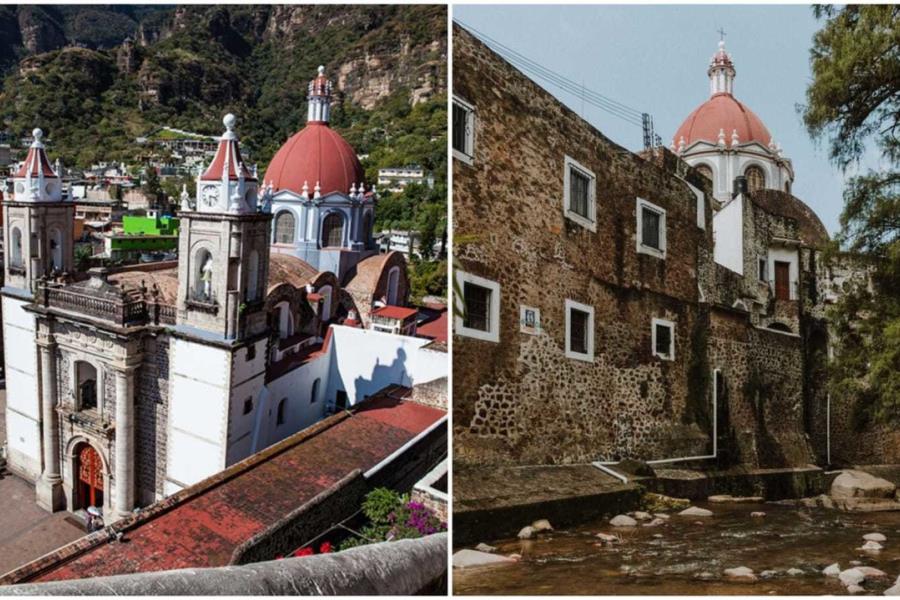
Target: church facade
{"x": 133, "y": 383}
{"x": 666, "y": 306}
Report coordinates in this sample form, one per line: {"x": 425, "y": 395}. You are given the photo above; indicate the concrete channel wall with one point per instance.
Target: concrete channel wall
{"x": 400, "y": 568}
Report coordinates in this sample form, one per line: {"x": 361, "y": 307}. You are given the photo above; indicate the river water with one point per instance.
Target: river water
{"x": 687, "y": 555}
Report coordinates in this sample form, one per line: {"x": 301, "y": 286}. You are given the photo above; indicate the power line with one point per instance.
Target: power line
{"x": 530, "y": 67}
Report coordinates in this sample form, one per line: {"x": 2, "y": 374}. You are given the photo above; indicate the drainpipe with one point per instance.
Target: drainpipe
{"x": 604, "y": 466}
{"x": 828, "y": 428}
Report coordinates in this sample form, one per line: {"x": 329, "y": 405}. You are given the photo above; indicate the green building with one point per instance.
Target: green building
{"x": 143, "y": 235}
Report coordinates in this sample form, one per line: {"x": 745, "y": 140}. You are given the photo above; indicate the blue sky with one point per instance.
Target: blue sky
{"x": 654, "y": 59}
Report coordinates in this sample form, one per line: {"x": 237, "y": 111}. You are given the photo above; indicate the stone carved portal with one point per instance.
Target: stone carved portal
{"x": 89, "y": 477}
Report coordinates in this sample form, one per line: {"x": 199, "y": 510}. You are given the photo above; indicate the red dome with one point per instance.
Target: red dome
{"x": 722, "y": 112}
{"x": 315, "y": 154}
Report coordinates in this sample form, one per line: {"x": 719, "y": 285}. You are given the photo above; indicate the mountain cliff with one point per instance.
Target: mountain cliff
{"x": 96, "y": 77}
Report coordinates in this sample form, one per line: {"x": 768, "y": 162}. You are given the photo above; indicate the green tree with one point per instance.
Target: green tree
{"x": 854, "y": 102}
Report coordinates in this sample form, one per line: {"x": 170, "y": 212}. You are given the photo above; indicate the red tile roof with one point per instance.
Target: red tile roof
{"x": 395, "y": 312}
{"x": 36, "y": 162}
{"x": 437, "y": 328}
{"x": 202, "y": 525}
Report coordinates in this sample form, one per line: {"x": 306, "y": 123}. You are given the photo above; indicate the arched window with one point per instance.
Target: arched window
{"x": 86, "y": 390}
{"x": 285, "y": 320}
{"x": 393, "y": 285}
{"x": 253, "y": 276}
{"x": 756, "y": 179}
{"x": 333, "y": 230}
{"x": 203, "y": 272}
{"x": 325, "y": 292}
{"x": 706, "y": 171}
{"x": 279, "y": 419}
{"x": 284, "y": 227}
{"x": 55, "y": 250}
{"x": 315, "y": 392}
{"x": 367, "y": 228}
{"x": 15, "y": 257}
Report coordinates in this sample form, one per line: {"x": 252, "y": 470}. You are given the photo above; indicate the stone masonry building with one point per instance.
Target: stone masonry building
{"x": 662, "y": 306}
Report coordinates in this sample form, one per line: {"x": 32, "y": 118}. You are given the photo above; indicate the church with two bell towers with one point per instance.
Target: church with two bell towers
{"x": 132, "y": 383}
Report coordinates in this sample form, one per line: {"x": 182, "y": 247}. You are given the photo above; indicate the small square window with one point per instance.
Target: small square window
{"x": 651, "y": 229}
{"x": 248, "y": 405}
{"x": 478, "y": 307}
{"x": 579, "y": 194}
{"x": 463, "y": 130}
{"x": 579, "y": 331}
{"x": 663, "y": 339}
{"x": 480, "y": 303}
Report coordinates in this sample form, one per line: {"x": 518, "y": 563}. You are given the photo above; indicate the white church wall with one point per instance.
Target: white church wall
{"x": 728, "y": 236}
{"x": 365, "y": 361}
{"x": 197, "y": 412}
{"x": 301, "y": 410}
{"x": 22, "y": 401}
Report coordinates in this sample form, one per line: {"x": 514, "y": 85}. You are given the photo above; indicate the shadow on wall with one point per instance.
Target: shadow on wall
{"x": 396, "y": 373}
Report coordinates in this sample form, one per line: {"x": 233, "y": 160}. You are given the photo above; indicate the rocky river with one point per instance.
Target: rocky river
{"x": 786, "y": 550}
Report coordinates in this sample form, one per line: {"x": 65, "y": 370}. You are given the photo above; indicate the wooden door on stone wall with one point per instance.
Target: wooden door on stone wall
{"x": 782, "y": 280}
{"x": 89, "y": 469}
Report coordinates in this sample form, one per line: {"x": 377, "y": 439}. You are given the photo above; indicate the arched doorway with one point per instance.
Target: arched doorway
{"x": 88, "y": 477}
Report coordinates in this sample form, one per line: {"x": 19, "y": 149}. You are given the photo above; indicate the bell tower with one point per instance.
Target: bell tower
{"x": 223, "y": 249}
{"x": 37, "y": 222}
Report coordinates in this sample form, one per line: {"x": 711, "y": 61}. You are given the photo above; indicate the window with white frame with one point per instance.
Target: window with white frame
{"x": 579, "y": 331}
{"x": 481, "y": 307}
{"x": 463, "y": 130}
{"x": 579, "y": 194}
{"x": 651, "y": 229}
{"x": 663, "y": 334}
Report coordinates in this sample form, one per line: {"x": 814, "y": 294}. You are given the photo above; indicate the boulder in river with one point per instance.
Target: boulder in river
{"x": 832, "y": 570}
{"x": 855, "y": 589}
{"x": 793, "y": 572}
{"x": 893, "y": 591}
{"x": 875, "y": 537}
{"x": 622, "y": 521}
{"x": 655, "y": 522}
{"x": 768, "y": 574}
{"x": 872, "y": 572}
{"x": 526, "y": 533}
{"x": 541, "y": 525}
{"x": 482, "y": 547}
{"x": 696, "y": 511}
{"x": 740, "y": 573}
{"x": 473, "y": 558}
{"x": 859, "y": 484}
{"x": 641, "y": 515}
{"x": 852, "y": 576}
{"x": 871, "y": 547}
{"x": 757, "y": 514}
{"x": 608, "y": 538}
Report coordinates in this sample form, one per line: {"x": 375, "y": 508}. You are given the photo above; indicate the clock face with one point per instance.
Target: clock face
{"x": 210, "y": 195}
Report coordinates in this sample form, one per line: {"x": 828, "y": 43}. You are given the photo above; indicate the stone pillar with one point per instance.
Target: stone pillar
{"x": 124, "y": 468}
{"x": 49, "y": 487}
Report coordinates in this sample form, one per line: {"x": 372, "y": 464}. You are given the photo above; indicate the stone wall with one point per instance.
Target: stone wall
{"x": 522, "y": 401}
{"x": 760, "y": 397}
{"x": 151, "y": 401}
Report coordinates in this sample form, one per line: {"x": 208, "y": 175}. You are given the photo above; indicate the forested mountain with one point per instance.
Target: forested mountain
{"x": 95, "y": 78}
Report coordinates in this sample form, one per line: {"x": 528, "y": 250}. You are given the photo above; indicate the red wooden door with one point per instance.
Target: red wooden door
{"x": 782, "y": 280}
{"x": 90, "y": 477}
